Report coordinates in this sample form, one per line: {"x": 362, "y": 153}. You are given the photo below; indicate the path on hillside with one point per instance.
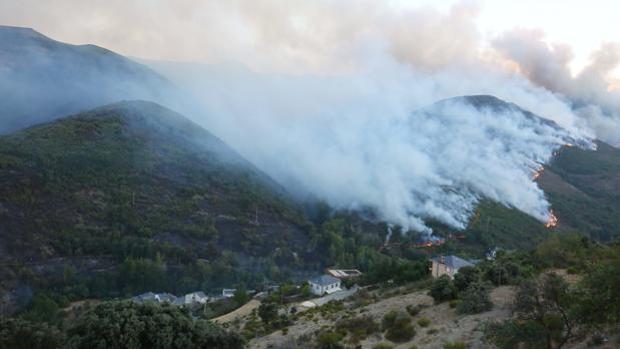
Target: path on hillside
{"x": 242, "y": 311}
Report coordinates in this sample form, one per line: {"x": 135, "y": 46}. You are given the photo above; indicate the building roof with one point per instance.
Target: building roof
{"x": 344, "y": 273}
{"x": 148, "y": 296}
{"x": 166, "y": 297}
{"x": 324, "y": 280}
{"x": 453, "y": 261}
{"x": 198, "y": 294}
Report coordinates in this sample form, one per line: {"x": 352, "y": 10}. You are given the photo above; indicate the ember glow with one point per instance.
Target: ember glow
{"x": 537, "y": 173}
{"x": 552, "y": 222}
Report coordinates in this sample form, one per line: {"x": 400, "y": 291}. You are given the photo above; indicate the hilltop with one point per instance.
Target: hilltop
{"x": 580, "y": 183}
{"x": 132, "y": 197}
{"x": 42, "y": 79}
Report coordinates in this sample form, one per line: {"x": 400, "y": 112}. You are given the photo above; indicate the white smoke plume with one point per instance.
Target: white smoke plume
{"x": 337, "y": 111}
{"x": 375, "y": 141}
{"x": 590, "y": 92}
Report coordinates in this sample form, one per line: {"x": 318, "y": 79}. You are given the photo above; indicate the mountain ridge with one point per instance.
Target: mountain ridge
{"x": 98, "y": 189}
{"x": 43, "y": 79}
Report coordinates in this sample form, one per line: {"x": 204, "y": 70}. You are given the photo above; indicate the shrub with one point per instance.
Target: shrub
{"x": 330, "y": 340}
{"x": 359, "y": 327}
{"x": 465, "y": 276}
{"x": 398, "y": 326}
{"x": 414, "y": 310}
{"x": 475, "y": 299}
{"x": 443, "y": 289}
{"x": 388, "y": 319}
{"x": 454, "y": 303}
{"x": 455, "y": 345}
{"x": 432, "y": 331}
{"x": 515, "y": 334}
{"x": 424, "y": 321}
{"x": 268, "y": 311}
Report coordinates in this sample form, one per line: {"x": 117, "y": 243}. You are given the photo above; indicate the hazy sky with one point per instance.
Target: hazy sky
{"x": 300, "y": 36}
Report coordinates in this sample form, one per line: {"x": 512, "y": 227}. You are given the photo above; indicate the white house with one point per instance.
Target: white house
{"x": 228, "y": 292}
{"x": 448, "y": 265}
{"x": 165, "y": 298}
{"x": 324, "y": 284}
{"x": 192, "y": 298}
{"x": 155, "y": 297}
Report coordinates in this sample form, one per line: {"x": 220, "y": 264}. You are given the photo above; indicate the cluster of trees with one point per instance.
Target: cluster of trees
{"x": 549, "y": 311}
{"x": 349, "y": 244}
{"x": 120, "y": 325}
{"x": 469, "y": 287}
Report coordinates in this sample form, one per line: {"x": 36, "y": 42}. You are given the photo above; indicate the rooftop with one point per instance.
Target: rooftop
{"x": 453, "y": 261}
{"x": 324, "y": 280}
{"x": 344, "y": 273}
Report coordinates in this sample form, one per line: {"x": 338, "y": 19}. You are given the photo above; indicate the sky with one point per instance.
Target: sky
{"x": 584, "y": 25}
{"x": 216, "y": 31}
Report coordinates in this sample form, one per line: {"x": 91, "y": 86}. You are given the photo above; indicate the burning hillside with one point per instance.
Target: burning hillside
{"x": 552, "y": 222}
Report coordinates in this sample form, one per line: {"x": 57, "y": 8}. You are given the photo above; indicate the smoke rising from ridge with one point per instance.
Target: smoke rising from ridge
{"x": 342, "y": 109}
{"x": 376, "y": 140}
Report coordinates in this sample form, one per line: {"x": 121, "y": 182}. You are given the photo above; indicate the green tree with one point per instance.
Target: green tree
{"x": 397, "y": 326}
{"x": 268, "y": 312}
{"x": 475, "y": 299}
{"x": 504, "y": 271}
{"x": 465, "y": 276}
{"x": 599, "y": 303}
{"x": 544, "y": 316}
{"x": 131, "y": 325}
{"x": 304, "y": 290}
{"x": 24, "y": 334}
{"x": 43, "y": 308}
{"x": 443, "y": 289}
{"x": 330, "y": 340}
{"x": 241, "y": 296}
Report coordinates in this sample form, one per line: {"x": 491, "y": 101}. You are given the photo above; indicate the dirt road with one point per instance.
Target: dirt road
{"x": 244, "y": 310}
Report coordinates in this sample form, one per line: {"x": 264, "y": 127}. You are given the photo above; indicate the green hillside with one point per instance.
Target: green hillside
{"x": 135, "y": 187}
{"x": 584, "y": 189}
{"x": 582, "y": 186}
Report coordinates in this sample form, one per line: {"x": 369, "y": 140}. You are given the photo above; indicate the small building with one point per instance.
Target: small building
{"x": 192, "y": 298}
{"x": 155, "y": 297}
{"x": 344, "y": 273}
{"x": 228, "y": 292}
{"x": 324, "y": 284}
{"x": 165, "y": 298}
{"x": 448, "y": 265}
{"x": 145, "y": 297}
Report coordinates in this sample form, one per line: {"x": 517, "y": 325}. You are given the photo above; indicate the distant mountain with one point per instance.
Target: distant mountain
{"x": 133, "y": 188}
{"x": 582, "y": 185}
{"x": 42, "y": 79}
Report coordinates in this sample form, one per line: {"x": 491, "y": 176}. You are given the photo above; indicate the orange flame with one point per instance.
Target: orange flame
{"x": 537, "y": 173}
{"x": 552, "y": 221}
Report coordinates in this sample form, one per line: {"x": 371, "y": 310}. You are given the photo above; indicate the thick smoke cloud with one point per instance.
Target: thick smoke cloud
{"x": 376, "y": 140}
{"x": 589, "y": 92}
{"x": 340, "y": 110}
